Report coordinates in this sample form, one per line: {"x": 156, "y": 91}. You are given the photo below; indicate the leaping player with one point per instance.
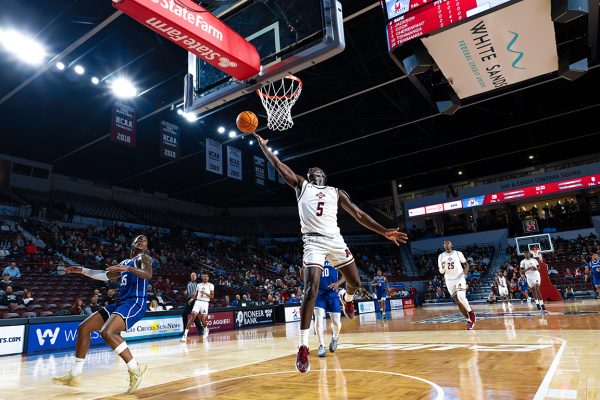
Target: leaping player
{"x": 453, "y": 265}
{"x": 113, "y": 319}
{"x": 380, "y": 283}
{"x": 327, "y": 301}
{"x": 318, "y": 206}
{"x": 531, "y": 267}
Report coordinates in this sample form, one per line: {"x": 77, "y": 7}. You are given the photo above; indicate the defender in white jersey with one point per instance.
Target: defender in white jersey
{"x": 453, "y": 265}
{"x": 531, "y": 267}
{"x": 205, "y": 292}
{"x": 502, "y": 286}
{"x": 318, "y": 207}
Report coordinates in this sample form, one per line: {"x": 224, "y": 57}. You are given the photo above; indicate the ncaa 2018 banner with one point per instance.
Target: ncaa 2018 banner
{"x": 169, "y": 141}
{"x": 259, "y": 171}
{"x": 214, "y": 156}
{"x": 271, "y": 172}
{"x": 234, "y": 163}
{"x": 496, "y": 50}
{"x": 123, "y": 124}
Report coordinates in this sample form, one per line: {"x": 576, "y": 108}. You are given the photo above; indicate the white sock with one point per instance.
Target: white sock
{"x": 304, "y": 337}
{"x": 185, "y": 332}
{"x": 77, "y": 366}
{"x": 348, "y": 297}
{"x": 537, "y": 301}
{"x": 541, "y": 302}
{"x": 132, "y": 364}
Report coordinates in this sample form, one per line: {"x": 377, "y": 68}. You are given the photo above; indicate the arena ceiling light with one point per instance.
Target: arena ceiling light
{"x": 399, "y": 185}
{"x": 60, "y": 66}
{"x": 180, "y": 111}
{"x": 232, "y": 134}
{"x": 79, "y": 70}
{"x": 276, "y": 152}
{"x": 95, "y": 80}
{"x": 190, "y": 117}
{"x": 221, "y": 129}
{"x": 460, "y": 172}
{"x": 24, "y": 48}
{"x": 124, "y": 89}
{"x": 251, "y": 142}
{"x": 531, "y": 157}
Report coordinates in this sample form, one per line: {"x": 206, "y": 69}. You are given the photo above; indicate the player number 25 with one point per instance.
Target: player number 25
{"x": 320, "y": 208}
{"x": 450, "y": 264}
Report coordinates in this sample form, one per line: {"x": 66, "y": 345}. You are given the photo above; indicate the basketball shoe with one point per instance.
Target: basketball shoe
{"x": 348, "y": 306}
{"x": 68, "y": 380}
{"x": 302, "y": 364}
{"x": 135, "y": 377}
{"x": 322, "y": 351}
{"x": 333, "y": 344}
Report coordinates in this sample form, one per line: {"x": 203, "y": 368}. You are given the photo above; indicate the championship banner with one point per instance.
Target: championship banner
{"x": 271, "y": 172}
{"x": 190, "y": 26}
{"x": 234, "y": 163}
{"x": 169, "y": 141}
{"x": 259, "y": 170}
{"x": 496, "y": 50}
{"x": 281, "y": 179}
{"x": 214, "y": 160}
{"x": 123, "y": 124}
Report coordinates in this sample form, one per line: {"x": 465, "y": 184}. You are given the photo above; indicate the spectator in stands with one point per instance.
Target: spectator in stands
{"x": 236, "y": 301}
{"x": 569, "y": 276}
{"x": 439, "y": 295}
{"x": 4, "y": 227}
{"x": 412, "y": 291}
{"x": 78, "y": 308}
{"x": 226, "y": 302}
{"x": 31, "y": 249}
{"x": 552, "y": 270}
{"x": 403, "y": 293}
{"x": 10, "y": 298}
{"x": 109, "y": 298}
{"x": 94, "y": 305}
{"x": 436, "y": 282}
{"x": 154, "y": 306}
{"x": 6, "y": 282}
{"x": 4, "y": 252}
{"x": 293, "y": 299}
{"x": 27, "y": 297}
{"x": 12, "y": 270}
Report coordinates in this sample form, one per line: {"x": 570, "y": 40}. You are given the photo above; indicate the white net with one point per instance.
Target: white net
{"x": 278, "y": 98}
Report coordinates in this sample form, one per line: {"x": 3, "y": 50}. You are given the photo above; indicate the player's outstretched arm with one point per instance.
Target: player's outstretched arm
{"x": 365, "y": 220}
{"x": 291, "y": 178}
{"x": 99, "y": 275}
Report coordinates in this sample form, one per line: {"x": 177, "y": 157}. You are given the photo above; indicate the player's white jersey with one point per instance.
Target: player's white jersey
{"x": 318, "y": 206}
{"x": 502, "y": 282}
{"x": 532, "y": 262}
{"x": 206, "y": 288}
{"x": 451, "y": 264}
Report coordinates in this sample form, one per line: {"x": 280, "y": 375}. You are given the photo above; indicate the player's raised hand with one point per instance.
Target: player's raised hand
{"x": 73, "y": 270}
{"x": 261, "y": 141}
{"x": 396, "y": 236}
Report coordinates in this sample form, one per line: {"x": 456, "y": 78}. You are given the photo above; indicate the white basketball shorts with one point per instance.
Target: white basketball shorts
{"x": 533, "y": 279}
{"x": 319, "y": 248}
{"x": 455, "y": 285}
{"x": 200, "y": 307}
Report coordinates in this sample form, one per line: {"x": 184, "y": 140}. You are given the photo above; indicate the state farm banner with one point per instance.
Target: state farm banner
{"x": 123, "y": 124}
{"x": 192, "y": 27}
{"x": 169, "y": 141}
{"x": 499, "y": 49}
{"x": 234, "y": 163}
{"x": 214, "y": 159}
{"x": 271, "y": 172}
{"x": 259, "y": 170}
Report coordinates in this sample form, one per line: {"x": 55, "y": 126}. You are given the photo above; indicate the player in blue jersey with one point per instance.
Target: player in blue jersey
{"x": 594, "y": 266}
{"x": 134, "y": 274}
{"x": 524, "y": 288}
{"x": 380, "y": 285}
{"x": 328, "y": 301}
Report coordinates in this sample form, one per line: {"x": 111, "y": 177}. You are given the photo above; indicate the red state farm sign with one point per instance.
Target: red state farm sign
{"x": 191, "y": 27}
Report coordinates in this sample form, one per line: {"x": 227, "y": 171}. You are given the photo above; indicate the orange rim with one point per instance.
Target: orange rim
{"x": 290, "y": 96}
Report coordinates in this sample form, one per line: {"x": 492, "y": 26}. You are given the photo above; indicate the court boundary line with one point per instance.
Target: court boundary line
{"x": 545, "y": 385}
{"x": 438, "y": 388}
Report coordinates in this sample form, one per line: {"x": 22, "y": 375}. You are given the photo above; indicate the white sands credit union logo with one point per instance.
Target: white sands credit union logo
{"x": 41, "y": 336}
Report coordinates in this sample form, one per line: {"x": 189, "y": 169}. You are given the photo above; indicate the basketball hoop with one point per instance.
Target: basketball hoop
{"x": 535, "y": 253}
{"x": 278, "y": 98}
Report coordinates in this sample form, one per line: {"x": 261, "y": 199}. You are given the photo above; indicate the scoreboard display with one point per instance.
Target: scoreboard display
{"x": 411, "y": 19}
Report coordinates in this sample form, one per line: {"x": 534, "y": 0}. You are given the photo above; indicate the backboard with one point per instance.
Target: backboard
{"x": 541, "y": 243}
{"x": 290, "y": 36}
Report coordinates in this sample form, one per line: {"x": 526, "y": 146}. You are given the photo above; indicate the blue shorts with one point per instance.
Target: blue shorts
{"x": 132, "y": 310}
{"x": 329, "y": 301}
{"x": 596, "y": 280}
{"x": 381, "y": 294}
{"x": 524, "y": 288}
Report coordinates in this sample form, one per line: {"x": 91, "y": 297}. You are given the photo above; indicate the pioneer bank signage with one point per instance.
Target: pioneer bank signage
{"x": 247, "y": 318}
{"x": 190, "y": 26}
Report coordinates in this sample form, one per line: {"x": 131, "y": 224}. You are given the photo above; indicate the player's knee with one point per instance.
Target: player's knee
{"x": 106, "y": 334}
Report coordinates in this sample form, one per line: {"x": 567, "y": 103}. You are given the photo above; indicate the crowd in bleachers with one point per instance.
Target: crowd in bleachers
{"x": 478, "y": 257}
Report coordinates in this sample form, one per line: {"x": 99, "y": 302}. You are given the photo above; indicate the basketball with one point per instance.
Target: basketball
{"x": 247, "y": 121}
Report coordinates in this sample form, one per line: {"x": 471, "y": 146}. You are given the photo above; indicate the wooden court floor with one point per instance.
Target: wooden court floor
{"x": 514, "y": 353}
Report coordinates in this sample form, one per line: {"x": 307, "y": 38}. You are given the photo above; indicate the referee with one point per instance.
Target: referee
{"x": 191, "y": 291}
